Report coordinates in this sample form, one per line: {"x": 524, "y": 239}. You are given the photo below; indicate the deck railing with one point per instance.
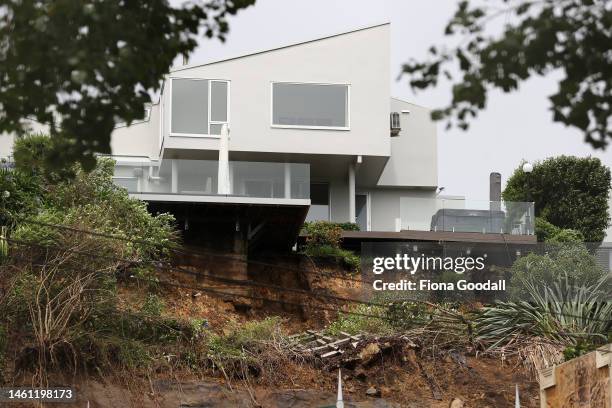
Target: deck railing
{"x": 460, "y": 215}
{"x": 201, "y": 177}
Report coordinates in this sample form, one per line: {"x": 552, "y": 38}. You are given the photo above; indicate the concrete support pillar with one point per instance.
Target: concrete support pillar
{"x": 231, "y": 177}
{"x": 174, "y": 183}
{"x": 287, "y": 180}
{"x": 351, "y": 191}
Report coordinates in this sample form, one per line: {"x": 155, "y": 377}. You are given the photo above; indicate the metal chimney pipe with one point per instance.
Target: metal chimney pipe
{"x": 495, "y": 191}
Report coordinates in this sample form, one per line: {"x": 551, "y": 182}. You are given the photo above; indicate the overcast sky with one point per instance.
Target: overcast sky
{"x": 513, "y": 127}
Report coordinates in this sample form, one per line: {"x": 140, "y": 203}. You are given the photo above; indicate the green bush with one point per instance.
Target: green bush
{"x": 406, "y": 315}
{"x": 31, "y": 154}
{"x": 320, "y": 233}
{"x": 323, "y": 240}
{"x": 359, "y": 321}
{"x": 153, "y": 306}
{"x": 91, "y": 201}
{"x": 348, "y": 258}
{"x": 546, "y": 231}
{"x": 567, "y": 236}
{"x": 570, "y": 261}
{"x": 254, "y": 347}
{"x": 348, "y": 226}
{"x": 69, "y": 279}
{"x": 344, "y": 226}
{"x": 21, "y": 194}
{"x": 582, "y": 347}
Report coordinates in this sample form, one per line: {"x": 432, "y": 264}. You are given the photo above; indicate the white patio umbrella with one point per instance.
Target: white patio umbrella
{"x": 223, "y": 178}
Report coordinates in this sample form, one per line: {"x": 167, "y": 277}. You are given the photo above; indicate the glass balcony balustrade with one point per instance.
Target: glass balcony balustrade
{"x": 201, "y": 177}
{"x": 460, "y": 215}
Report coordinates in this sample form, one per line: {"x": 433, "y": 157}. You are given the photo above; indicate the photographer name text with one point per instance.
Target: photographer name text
{"x": 428, "y": 285}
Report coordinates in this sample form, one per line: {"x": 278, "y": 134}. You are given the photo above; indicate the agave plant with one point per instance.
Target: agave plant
{"x": 561, "y": 313}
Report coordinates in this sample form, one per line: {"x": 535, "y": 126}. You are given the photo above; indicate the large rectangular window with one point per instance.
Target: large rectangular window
{"x": 310, "y": 105}
{"x": 199, "y": 106}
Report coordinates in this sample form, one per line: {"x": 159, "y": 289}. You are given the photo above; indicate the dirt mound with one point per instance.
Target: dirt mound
{"x": 380, "y": 372}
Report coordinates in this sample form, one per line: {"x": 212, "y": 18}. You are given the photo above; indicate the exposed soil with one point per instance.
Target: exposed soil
{"x": 409, "y": 378}
{"x": 401, "y": 380}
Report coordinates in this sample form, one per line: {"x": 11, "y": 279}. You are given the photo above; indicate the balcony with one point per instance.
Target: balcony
{"x": 460, "y": 215}
{"x": 178, "y": 180}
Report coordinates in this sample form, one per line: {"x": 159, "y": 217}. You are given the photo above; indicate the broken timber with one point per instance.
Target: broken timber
{"x": 323, "y": 346}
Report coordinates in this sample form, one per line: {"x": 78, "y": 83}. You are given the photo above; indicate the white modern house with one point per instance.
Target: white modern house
{"x": 314, "y": 133}
{"x": 310, "y": 124}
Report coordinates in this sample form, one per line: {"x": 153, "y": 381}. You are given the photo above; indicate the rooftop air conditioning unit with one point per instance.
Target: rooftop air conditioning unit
{"x": 395, "y": 124}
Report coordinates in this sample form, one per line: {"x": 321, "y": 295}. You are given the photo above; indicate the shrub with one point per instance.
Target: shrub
{"x": 546, "y": 231}
{"x": 321, "y": 233}
{"x": 406, "y": 315}
{"x": 582, "y": 347}
{"x": 348, "y": 258}
{"x": 561, "y": 312}
{"x": 62, "y": 286}
{"x": 567, "y": 236}
{"x": 561, "y": 261}
{"x": 91, "y": 201}
{"x": 31, "y": 153}
{"x": 324, "y": 239}
{"x": 344, "y": 226}
{"x": 153, "y": 306}
{"x": 252, "y": 348}
{"x": 357, "y": 322}
{"x": 24, "y": 195}
{"x": 348, "y": 226}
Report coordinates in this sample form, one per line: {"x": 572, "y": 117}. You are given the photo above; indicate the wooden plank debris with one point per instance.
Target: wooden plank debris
{"x": 323, "y": 345}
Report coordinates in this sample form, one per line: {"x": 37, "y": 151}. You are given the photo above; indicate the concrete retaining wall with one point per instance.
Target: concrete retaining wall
{"x": 579, "y": 383}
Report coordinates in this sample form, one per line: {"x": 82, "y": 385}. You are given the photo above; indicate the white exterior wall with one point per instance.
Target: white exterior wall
{"x": 339, "y": 200}
{"x": 360, "y": 59}
{"x": 414, "y": 152}
{"x": 385, "y": 207}
{"x": 139, "y": 139}
{"x": 6, "y": 144}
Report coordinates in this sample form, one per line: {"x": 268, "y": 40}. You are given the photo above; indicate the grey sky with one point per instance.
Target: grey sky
{"x": 513, "y": 127}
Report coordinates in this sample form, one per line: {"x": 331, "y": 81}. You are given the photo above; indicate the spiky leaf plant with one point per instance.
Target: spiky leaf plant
{"x": 561, "y": 313}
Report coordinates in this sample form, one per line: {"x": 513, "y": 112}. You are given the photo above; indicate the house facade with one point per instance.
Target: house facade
{"x": 314, "y": 134}
{"x": 318, "y": 112}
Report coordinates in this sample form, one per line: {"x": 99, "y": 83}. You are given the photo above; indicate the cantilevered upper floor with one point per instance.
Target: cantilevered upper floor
{"x": 326, "y": 96}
